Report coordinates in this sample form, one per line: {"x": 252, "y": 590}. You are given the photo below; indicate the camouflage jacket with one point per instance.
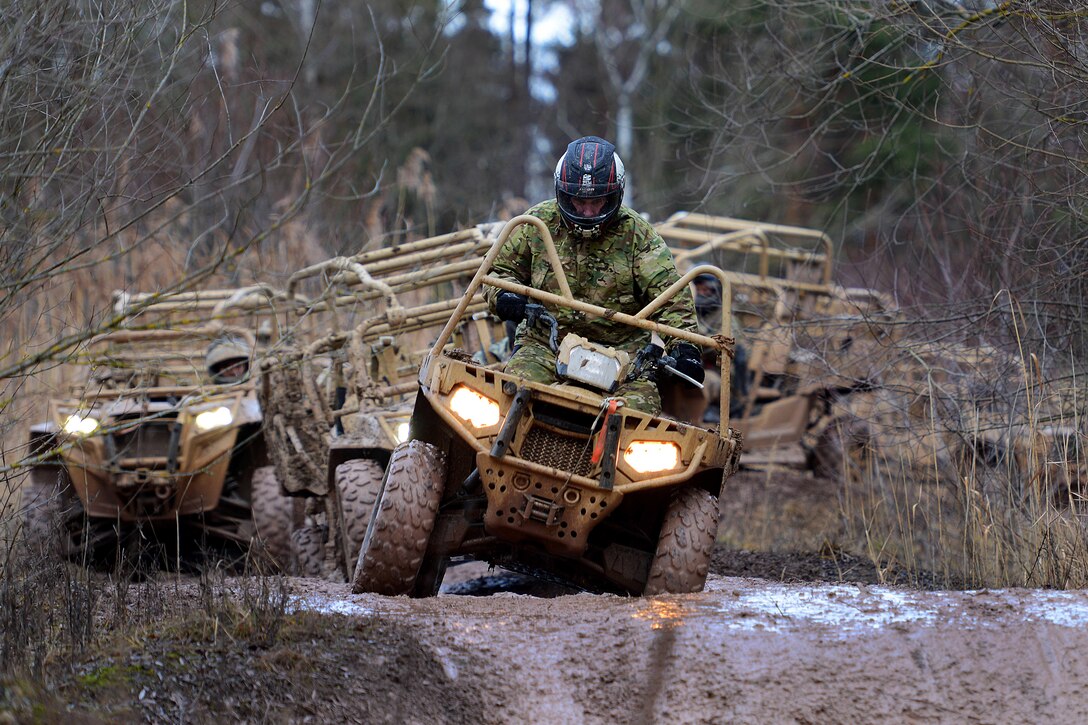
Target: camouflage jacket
{"x": 623, "y": 270}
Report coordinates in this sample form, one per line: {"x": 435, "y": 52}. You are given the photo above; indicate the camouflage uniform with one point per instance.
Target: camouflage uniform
{"x": 623, "y": 269}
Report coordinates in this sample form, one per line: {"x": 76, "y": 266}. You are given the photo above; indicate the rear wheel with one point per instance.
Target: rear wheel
{"x": 841, "y": 450}
{"x": 685, "y": 544}
{"x": 400, "y": 529}
{"x": 358, "y": 483}
{"x": 307, "y": 551}
{"x": 274, "y": 515}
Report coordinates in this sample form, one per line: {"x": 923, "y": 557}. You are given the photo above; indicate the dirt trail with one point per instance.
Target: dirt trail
{"x": 745, "y": 650}
{"x": 774, "y": 638}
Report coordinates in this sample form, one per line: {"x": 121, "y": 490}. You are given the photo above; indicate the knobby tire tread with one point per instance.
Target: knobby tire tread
{"x": 359, "y": 483}
{"x": 307, "y": 551}
{"x": 397, "y": 537}
{"x": 685, "y": 545}
{"x": 274, "y": 515}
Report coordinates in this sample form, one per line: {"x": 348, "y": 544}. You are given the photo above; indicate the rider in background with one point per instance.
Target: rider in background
{"x": 227, "y": 360}
{"x": 708, "y": 311}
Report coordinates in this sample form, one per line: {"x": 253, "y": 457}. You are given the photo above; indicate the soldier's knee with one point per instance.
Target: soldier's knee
{"x": 642, "y": 396}
{"x": 532, "y": 364}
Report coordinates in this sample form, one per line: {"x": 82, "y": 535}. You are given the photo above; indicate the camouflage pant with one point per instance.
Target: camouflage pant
{"x": 536, "y": 363}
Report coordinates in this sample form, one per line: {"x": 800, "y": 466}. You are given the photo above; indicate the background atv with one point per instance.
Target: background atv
{"x": 337, "y": 405}
{"x": 148, "y": 454}
{"x": 554, "y": 480}
{"x": 837, "y": 378}
{"x": 809, "y": 343}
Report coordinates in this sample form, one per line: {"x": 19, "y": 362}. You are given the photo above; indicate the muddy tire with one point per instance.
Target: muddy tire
{"x": 358, "y": 482}
{"x": 685, "y": 544}
{"x": 274, "y": 516}
{"x": 396, "y": 539}
{"x": 308, "y": 552}
{"x": 48, "y": 503}
{"x": 841, "y": 450}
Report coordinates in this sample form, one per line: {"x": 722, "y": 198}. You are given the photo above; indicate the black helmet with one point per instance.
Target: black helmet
{"x": 708, "y": 291}
{"x": 590, "y": 169}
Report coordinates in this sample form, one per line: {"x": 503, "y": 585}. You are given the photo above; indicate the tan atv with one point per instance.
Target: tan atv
{"x": 559, "y": 480}
{"x": 149, "y": 452}
{"x": 338, "y": 405}
{"x": 807, "y": 341}
{"x": 975, "y": 413}
{"x": 832, "y": 377}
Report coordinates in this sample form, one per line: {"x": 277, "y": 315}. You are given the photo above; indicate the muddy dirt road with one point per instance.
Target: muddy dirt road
{"x": 744, "y": 650}
{"x": 774, "y": 638}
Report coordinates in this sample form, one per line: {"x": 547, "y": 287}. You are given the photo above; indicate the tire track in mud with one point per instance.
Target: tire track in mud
{"x": 748, "y": 650}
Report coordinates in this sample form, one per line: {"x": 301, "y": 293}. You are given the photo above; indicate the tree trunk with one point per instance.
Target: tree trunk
{"x": 625, "y": 138}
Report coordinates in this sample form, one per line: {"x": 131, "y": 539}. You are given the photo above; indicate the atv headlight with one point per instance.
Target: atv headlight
{"x": 214, "y": 418}
{"x": 652, "y": 456}
{"x": 475, "y": 408}
{"x": 77, "y": 424}
{"x": 402, "y": 432}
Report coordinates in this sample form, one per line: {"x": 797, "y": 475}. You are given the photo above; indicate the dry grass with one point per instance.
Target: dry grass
{"x": 955, "y": 528}
{"x": 58, "y": 619}
{"x": 780, "y": 510}
{"x": 931, "y": 500}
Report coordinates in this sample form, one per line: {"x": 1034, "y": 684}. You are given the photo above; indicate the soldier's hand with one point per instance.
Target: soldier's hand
{"x": 536, "y": 313}
{"x": 510, "y": 306}
{"x": 689, "y": 361}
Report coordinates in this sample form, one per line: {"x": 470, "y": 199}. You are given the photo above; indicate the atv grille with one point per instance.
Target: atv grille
{"x": 150, "y": 439}
{"x": 566, "y": 453}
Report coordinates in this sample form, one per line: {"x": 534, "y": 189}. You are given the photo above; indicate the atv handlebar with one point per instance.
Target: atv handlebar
{"x": 652, "y": 358}
{"x": 536, "y": 313}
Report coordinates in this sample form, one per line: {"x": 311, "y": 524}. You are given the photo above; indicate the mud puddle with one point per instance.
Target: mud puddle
{"x": 749, "y": 650}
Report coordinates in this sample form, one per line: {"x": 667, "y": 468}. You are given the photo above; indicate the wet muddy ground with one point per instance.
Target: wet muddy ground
{"x": 804, "y": 637}
{"x": 744, "y": 650}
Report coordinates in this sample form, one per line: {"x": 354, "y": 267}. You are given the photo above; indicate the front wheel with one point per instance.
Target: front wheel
{"x": 48, "y": 503}
{"x": 400, "y": 528}
{"x": 274, "y": 515}
{"x": 685, "y": 544}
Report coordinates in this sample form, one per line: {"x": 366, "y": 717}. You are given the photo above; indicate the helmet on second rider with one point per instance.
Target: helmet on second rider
{"x": 589, "y": 182}
{"x": 708, "y": 292}
{"x": 227, "y": 360}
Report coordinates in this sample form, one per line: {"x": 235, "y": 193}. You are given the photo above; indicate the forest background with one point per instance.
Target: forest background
{"x": 168, "y": 145}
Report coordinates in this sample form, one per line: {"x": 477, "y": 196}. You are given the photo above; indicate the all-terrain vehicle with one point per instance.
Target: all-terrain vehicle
{"x": 833, "y": 376}
{"x": 159, "y": 448}
{"x": 807, "y": 341}
{"x": 337, "y": 405}
{"x": 973, "y": 413}
{"x": 555, "y": 480}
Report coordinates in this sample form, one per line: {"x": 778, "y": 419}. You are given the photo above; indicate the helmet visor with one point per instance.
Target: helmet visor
{"x": 589, "y": 211}
{"x": 585, "y": 188}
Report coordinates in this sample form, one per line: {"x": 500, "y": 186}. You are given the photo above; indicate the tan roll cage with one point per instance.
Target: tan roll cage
{"x": 709, "y": 233}
{"x": 566, "y": 299}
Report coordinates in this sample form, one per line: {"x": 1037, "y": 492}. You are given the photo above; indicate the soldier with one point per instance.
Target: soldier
{"x": 708, "y": 303}
{"x": 227, "y": 360}
{"x": 612, "y": 258}
{"x": 708, "y": 310}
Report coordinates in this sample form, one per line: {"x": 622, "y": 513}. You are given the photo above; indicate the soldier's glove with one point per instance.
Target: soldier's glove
{"x": 510, "y": 306}
{"x": 689, "y": 360}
